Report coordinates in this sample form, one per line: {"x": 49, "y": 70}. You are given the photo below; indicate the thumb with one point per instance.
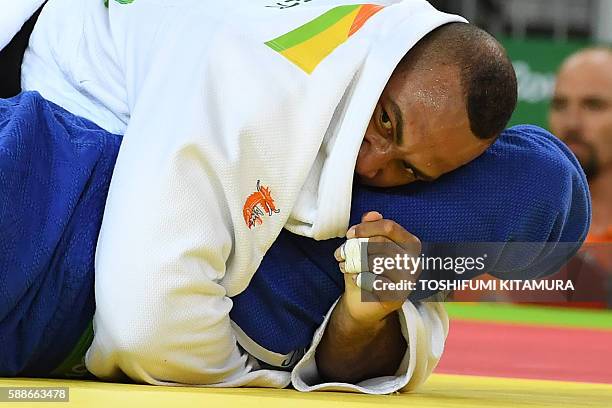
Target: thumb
{"x": 371, "y": 216}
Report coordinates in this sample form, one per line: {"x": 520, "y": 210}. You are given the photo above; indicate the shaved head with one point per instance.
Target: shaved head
{"x": 486, "y": 74}
{"x": 596, "y": 56}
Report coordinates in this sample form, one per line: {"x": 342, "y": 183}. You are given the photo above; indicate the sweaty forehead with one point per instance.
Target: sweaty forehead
{"x": 433, "y": 88}
{"x": 452, "y": 148}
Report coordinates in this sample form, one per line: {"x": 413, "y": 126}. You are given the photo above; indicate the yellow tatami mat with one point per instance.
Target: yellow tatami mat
{"x": 439, "y": 391}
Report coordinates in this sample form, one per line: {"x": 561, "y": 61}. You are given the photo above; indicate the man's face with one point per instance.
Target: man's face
{"x": 420, "y": 130}
{"x": 581, "y": 111}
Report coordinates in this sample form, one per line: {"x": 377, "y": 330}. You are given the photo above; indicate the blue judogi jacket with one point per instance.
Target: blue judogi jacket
{"x": 55, "y": 170}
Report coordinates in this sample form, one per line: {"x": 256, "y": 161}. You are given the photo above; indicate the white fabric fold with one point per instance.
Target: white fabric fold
{"x": 13, "y": 14}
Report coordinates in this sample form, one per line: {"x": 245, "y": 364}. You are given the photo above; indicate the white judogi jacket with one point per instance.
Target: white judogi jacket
{"x": 13, "y": 15}
{"x": 240, "y": 118}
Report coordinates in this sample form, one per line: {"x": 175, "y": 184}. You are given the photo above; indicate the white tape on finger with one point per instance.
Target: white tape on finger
{"x": 352, "y": 251}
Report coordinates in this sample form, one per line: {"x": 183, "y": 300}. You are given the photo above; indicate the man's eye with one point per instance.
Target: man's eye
{"x": 558, "y": 104}
{"x": 594, "y": 104}
{"x": 408, "y": 169}
{"x": 385, "y": 121}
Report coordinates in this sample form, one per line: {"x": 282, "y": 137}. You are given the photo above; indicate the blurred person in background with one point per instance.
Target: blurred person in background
{"x": 581, "y": 116}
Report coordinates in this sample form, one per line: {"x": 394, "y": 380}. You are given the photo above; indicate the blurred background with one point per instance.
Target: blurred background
{"x": 539, "y": 35}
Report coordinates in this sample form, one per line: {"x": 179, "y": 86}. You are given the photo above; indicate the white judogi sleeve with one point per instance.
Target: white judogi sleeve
{"x": 225, "y": 109}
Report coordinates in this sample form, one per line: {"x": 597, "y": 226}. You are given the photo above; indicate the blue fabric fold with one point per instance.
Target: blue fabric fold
{"x": 55, "y": 169}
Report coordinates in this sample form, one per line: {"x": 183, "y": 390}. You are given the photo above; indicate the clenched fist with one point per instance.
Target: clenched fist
{"x": 370, "y": 297}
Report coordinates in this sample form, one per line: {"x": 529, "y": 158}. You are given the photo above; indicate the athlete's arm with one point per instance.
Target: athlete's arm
{"x": 363, "y": 339}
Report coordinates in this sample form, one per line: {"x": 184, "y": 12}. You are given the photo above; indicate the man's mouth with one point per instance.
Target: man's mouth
{"x": 586, "y": 155}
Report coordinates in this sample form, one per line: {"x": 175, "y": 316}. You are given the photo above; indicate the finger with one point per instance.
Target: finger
{"x": 386, "y": 293}
{"x": 365, "y": 281}
{"x": 371, "y": 216}
{"x": 391, "y": 299}
{"x": 379, "y": 239}
{"x": 404, "y": 269}
{"x": 386, "y": 258}
{"x": 385, "y": 247}
{"x": 342, "y": 267}
{"x": 355, "y": 255}
{"x": 356, "y": 294}
{"x": 386, "y": 228}
{"x": 379, "y": 246}
{"x": 339, "y": 253}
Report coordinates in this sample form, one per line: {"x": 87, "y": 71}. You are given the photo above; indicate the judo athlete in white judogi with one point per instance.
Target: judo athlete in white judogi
{"x": 242, "y": 118}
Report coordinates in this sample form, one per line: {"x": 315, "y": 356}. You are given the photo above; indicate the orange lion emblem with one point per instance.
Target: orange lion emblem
{"x": 257, "y": 204}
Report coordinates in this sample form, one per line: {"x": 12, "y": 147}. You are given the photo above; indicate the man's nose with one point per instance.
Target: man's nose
{"x": 374, "y": 163}
{"x": 377, "y": 141}
{"x": 377, "y": 154}
{"x": 572, "y": 124}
